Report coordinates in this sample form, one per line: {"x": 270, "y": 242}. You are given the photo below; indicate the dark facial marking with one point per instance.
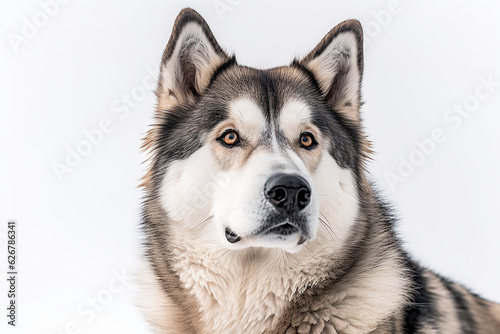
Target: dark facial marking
{"x": 225, "y": 66}
{"x": 310, "y": 76}
{"x": 265, "y": 81}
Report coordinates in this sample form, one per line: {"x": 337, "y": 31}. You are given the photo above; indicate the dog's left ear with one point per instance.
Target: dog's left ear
{"x": 337, "y": 65}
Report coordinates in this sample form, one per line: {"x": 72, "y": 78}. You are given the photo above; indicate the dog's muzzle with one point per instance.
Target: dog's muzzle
{"x": 289, "y": 194}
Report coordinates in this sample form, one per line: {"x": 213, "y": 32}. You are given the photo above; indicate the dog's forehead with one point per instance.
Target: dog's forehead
{"x": 248, "y": 113}
{"x": 278, "y": 98}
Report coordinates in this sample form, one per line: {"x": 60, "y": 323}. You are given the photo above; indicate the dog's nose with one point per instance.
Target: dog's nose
{"x": 288, "y": 192}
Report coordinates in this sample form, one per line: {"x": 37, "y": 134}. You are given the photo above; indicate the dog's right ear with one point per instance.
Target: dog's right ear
{"x": 190, "y": 59}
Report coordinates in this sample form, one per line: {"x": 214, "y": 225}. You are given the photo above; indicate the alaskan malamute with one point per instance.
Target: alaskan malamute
{"x": 258, "y": 215}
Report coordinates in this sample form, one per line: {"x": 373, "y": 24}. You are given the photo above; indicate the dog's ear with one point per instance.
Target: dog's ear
{"x": 191, "y": 57}
{"x": 337, "y": 65}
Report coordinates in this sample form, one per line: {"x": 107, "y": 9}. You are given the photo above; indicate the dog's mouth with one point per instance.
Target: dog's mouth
{"x": 282, "y": 230}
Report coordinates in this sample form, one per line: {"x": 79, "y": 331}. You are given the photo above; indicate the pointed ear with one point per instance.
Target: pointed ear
{"x": 190, "y": 59}
{"x": 337, "y": 65}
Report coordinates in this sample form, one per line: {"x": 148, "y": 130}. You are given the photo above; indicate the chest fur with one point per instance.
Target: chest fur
{"x": 244, "y": 294}
{"x": 253, "y": 294}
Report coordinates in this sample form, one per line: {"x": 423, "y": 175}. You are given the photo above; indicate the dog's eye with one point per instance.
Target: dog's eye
{"x": 307, "y": 141}
{"x": 229, "y": 138}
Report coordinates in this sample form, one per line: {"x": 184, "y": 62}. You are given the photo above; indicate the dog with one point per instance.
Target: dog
{"x": 258, "y": 216}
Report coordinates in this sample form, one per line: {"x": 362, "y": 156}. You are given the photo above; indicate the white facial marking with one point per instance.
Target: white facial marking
{"x": 248, "y": 116}
{"x": 338, "y": 194}
{"x": 294, "y": 116}
{"x": 190, "y": 186}
{"x": 243, "y": 208}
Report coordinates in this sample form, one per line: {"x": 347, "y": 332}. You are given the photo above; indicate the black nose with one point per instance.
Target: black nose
{"x": 288, "y": 192}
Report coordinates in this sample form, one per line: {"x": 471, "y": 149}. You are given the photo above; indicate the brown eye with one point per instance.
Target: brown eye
{"x": 307, "y": 140}
{"x": 229, "y": 138}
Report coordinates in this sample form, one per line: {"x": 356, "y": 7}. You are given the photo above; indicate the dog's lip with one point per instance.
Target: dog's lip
{"x": 290, "y": 229}
{"x": 284, "y": 228}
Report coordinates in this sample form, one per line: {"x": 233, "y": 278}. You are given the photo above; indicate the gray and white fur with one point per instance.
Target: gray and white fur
{"x": 258, "y": 215}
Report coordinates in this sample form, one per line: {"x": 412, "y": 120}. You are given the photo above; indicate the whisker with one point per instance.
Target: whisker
{"x": 327, "y": 229}
{"x": 327, "y": 225}
{"x": 305, "y": 246}
{"x": 302, "y": 111}
{"x": 200, "y": 225}
{"x": 242, "y": 119}
{"x": 230, "y": 211}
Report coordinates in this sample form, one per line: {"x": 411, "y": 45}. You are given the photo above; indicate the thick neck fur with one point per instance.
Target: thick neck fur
{"x": 256, "y": 290}
{"x": 245, "y": 292}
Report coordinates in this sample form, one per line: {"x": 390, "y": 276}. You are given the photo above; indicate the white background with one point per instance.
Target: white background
{"x": 75, "y": 71}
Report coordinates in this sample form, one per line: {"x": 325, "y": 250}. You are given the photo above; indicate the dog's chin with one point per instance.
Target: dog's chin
{"x": 290, "y": 243}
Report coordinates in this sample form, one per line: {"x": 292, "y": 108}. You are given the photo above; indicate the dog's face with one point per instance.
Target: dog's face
{"x": 251, "y": 158}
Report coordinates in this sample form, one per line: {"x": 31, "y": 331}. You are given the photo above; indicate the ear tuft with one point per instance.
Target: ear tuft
{"x": 191, "y": 57}
{"x": 337, "y": 65}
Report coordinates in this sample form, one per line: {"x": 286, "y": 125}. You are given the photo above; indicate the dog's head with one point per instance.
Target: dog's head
{"x": 243, "y": 157}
